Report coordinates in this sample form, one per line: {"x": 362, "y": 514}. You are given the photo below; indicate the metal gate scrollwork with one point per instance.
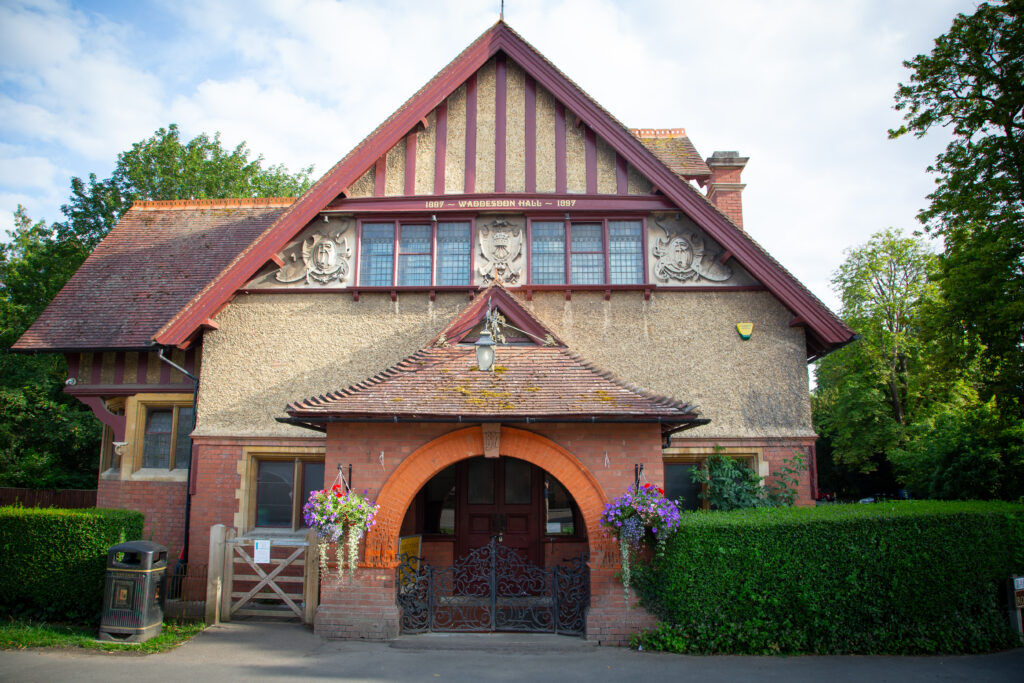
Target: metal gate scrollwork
{"x": 493, "y": 588}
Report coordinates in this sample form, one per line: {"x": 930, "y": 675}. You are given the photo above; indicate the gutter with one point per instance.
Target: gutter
{"x": 179, "y": 568}
{"x": 319, "y": 423}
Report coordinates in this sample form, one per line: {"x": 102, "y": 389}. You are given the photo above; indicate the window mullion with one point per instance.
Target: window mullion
{"x": 568, "y": 251}
{"x": 433, "y": 251}
{"x": 396, "y": 233}
{"x": 173, "y": 440}
{"x": 607, "y": 247}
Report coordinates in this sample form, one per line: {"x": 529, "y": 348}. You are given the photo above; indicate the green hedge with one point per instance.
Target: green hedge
{"x": 53, "y": 561}
{"x": 903, "y": 577}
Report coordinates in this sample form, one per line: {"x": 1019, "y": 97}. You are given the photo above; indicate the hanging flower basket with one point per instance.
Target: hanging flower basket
{"x": 638, "y": 515}
{"x": 340, "y": 517}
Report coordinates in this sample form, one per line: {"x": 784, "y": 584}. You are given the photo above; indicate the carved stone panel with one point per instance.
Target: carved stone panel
{"x": 682, "y": 254}
{"x": 500, "y": 249}
{"x": 321, "y": 256}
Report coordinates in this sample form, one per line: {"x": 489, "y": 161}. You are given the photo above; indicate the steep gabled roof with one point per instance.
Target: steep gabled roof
{"x": 824, "y": 329}
{"x": 151, "y": 264}
{"x": 497, "y": 297}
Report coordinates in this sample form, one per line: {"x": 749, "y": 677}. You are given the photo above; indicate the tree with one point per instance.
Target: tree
{"x": 47, "y": 438}
{"x": 972, "y": 83}
{"x": 162, "y": 167}
{"x": 868, "y": 392}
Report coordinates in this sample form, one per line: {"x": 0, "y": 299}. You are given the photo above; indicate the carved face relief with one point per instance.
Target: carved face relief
{"x": 324, "y": 258}
{"x": 501, "y": 245}
{"x": 681, "y": 257}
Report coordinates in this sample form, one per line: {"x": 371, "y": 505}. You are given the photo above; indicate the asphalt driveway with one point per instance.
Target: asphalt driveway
{"x": 243, "y": 651}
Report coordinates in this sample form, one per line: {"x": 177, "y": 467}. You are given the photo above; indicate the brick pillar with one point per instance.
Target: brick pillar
{"x": 724, "y": 186}
{"x": 612, "y": 618}
{"x": 362, "y": 607}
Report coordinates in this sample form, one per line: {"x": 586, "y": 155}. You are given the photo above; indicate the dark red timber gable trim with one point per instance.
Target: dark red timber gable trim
{"x": 440, "y": 146}
{"x": 500, "y": 115}
{"x": 495, "y": 297}
{"x": 823, "y": 327}
{"x": 470, "y": 185}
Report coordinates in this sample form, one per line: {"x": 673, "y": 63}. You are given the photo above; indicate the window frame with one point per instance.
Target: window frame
{"x": 137, "y": 409}
{"x": 568, "y": 221}
{"x": 248, "y": 495}
{"x": 698, "y": 455}
{"x": 397, "y": 223}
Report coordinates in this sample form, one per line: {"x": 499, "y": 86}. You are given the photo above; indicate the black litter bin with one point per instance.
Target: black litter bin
{"x": 133, "y": 599}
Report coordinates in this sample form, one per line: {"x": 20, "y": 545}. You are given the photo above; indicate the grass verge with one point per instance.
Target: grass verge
{"x": 18, "y": 635}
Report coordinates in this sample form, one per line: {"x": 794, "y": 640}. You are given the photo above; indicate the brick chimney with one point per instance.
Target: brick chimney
{"x": 724, "y": 186}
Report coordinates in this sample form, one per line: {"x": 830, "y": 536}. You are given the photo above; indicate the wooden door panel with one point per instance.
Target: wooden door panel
{"x": 481, "y": 524}
{"x": 517, "y": 523}
{"x": 507, "y": 498}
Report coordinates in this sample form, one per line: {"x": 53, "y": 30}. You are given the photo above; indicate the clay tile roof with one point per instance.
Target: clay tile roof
{"x": 527, "y": 383}
{"x": 158, "y": 256}
{"x": 675, "y": 150}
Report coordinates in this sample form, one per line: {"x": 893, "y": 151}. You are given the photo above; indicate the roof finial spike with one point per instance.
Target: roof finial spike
{"x": 501, "y": 12}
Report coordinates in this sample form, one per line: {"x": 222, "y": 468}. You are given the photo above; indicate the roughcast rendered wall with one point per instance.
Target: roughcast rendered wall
{"x": 272, "y": 349}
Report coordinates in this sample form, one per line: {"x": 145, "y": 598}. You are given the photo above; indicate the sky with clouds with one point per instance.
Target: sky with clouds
{"x": 802, "y": 87}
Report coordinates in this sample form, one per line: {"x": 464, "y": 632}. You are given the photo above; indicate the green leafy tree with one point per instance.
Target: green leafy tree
{"x": 164, "y": 167}
{"x": 972, "y": 84}
{"x": 47, "y": 438}
{"x": 868, "y": 392}
{"x": 963, "y": 451}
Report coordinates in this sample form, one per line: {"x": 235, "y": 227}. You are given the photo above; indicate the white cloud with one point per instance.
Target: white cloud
{"x": 802, "y": 87}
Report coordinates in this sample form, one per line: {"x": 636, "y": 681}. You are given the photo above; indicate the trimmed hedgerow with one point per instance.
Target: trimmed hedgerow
{"x": 901, "y": 577}
{"x": 53, "y": 562}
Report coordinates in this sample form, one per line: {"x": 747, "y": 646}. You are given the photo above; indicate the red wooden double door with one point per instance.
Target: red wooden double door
{"x": 500, "y": 497}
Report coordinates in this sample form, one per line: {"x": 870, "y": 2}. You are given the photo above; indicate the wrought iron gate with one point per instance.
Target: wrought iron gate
{"x": 493, "y": 588}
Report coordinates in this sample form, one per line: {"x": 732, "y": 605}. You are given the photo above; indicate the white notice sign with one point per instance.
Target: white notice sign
{"x": 261, "y": 552}
{"x": 1018, "y": 583}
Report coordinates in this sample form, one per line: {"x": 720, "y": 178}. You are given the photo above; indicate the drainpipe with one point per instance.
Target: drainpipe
{"x": 179, "y": 568}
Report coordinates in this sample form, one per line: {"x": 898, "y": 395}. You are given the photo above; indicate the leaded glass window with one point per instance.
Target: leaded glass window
{"x": 625, "y": 252}
{"x": 414, "y": 256}
{"x": 547, "y": 257}
{"x": 377, "y": 257}
{"x": 453, "y": 246}
{"x": 586, "y": 258}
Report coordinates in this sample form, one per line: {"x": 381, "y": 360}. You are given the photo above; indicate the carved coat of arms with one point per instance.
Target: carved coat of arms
{"x": 683, "y": 258}
{"x": 324, "y": 258}
{"x": 501, "y": 244}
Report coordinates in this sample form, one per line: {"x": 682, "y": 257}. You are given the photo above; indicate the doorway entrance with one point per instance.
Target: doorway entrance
{"x": 503, "y": 548}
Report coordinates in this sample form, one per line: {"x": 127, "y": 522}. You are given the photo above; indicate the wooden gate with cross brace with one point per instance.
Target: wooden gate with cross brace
{"x": 287, "y": 586}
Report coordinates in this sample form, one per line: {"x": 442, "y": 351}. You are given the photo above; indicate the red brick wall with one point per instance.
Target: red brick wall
{"x": 163, "y": 504}
{"x": 216, "y": 482}
{"x": 575, "y": 453}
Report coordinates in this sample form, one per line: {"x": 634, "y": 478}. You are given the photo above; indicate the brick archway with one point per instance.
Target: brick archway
{"x": 416, "y": 470}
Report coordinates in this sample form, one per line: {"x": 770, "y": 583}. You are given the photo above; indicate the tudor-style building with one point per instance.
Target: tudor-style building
{"x": 637, "y": 324}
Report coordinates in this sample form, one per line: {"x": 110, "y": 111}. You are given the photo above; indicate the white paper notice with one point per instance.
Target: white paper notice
{"x": 261, "y": 552}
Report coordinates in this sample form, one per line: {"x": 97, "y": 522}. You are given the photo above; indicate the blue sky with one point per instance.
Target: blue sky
{"x": 804, "y": 88}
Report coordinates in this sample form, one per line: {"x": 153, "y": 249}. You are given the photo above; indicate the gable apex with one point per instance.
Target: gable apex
{"x": 496, "y": 297}
{"x": 825, "y": 330}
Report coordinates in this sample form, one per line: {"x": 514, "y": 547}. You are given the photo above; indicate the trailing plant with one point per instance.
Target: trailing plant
{"x": 340, "y": 517}
{"x": 640, "y": 514}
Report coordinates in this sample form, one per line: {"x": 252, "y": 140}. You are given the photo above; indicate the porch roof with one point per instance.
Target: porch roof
{"x": 527, "y": 384}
